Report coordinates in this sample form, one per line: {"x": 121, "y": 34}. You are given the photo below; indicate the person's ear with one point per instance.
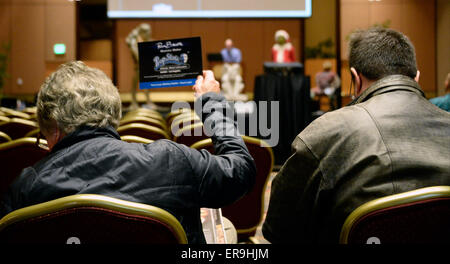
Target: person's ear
{"x": 53, "y": 136}
{"x": 417, "y": 77}
{"x": 357, "y": 79}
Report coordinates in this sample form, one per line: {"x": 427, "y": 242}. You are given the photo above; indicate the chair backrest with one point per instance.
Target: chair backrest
{"x": 142, "y": 130}
{"x": 146, "y": 110}
{"x": 4, "y": 119}
{"x": 33, "y": 133}
{"x": 136, "y": 139}
{"x": 91, "y": 219}
{"x": 14, "y": 114}
{"x": 418, "y": 216}
{"x": 30, "y": 110}
{"x": 247, "y": 213}
{"x": 4, "y": 137}
{"x": 147, "y": 113}
{"x": 17, "y": 127}
{"x": 143, "y": 120}
{"x": 184, "y": 116}
{"x": 171, "y": 115}
{"x": 179, "y": 123}
{"x": 15, "y": 156}
{"x": 190, "y": 134}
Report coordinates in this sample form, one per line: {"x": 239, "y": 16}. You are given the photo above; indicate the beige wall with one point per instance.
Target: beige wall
{"x": 32, "y": 27}
{"x": 415, "y": 18}
{"x": 443, "y": 43}
{"x": 254, "y": 37}
{"x": 5, "y": 34}
{"x": 322, "y": 24}
{"x": 319, "y": 27}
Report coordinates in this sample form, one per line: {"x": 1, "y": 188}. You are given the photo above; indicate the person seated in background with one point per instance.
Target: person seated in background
{"x": 443, "y": 102}
{"x": 327, "y": 82}
{"x": 389, "y": 140}
{"x": 282, "y": 50}
{"x": 78, "y": 111}
{"x": 231, "y": 54}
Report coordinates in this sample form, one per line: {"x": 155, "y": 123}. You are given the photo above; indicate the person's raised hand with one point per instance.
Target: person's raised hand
{"x": 205, "y": 84}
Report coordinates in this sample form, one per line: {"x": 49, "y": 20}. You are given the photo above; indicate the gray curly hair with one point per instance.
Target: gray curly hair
{"x": 77, "y": 95}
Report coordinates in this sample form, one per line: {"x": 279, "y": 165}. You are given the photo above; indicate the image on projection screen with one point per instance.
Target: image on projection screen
{"x": 208, "y": 8}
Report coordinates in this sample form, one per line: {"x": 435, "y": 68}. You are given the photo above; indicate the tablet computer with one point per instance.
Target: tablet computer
{"x": 169, "y": 63}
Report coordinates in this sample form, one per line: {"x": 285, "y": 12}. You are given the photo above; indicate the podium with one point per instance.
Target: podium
{"x": 283, "y": 68}
{"x": 287, "y": 84}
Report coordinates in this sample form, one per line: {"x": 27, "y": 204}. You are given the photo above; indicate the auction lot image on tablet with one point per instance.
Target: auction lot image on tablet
{"x": 169, "y": 63}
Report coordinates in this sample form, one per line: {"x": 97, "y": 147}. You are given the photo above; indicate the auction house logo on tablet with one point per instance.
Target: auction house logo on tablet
{"x": 169, "y": 63}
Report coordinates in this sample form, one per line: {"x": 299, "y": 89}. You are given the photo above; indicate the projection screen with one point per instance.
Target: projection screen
{"x": 209, "y": 8}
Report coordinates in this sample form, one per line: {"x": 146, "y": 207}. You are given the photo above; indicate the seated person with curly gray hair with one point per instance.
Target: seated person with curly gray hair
{"x": 78, "y": 111}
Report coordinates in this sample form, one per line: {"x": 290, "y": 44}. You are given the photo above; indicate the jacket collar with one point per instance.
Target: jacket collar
{"x": 388, "y": 84}
{"x": 84, "y": 133}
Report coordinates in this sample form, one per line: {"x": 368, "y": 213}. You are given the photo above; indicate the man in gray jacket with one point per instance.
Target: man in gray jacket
{"x": 78, "y": 111}
{"x": 389, "y": 140}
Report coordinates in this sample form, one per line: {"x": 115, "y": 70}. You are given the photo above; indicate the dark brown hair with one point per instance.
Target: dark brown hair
{"x": 379, "y": 52}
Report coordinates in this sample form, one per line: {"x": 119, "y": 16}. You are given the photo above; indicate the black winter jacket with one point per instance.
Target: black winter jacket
{"x": 165, "y": 174}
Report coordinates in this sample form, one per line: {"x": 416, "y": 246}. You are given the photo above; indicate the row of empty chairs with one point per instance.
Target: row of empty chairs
{"x": 142, "y": 122}
{"x": 28, "y": 113}
{"x": 17, "y": 124}
{"x": 182, "y": 126}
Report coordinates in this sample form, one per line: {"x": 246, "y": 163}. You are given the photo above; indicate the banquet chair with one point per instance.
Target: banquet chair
{"x": 91, "y": 219}
{"x": 183, "y": 116}
{"x": 11, "y": 113}
{"x": 146, "y": 113}
{"x": 190, "y": 134}
{"x": 142, "y": 130}
{"x": 143, "y": 120}
{"x": 4, "y": 119}
{"x": 33, "y": 133}
{"x": 17, "y": 127}
{"x": 418, "y": 216}
{"x": 173, "y": 114}
{"x": 247, "y": 213}
{"x": 30, "y": 110}
{"x": 4, "y": 137}
{"x": 16, "y": 155}
{"x": 182, "y": 121}
{"x": 136, "y": 139}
